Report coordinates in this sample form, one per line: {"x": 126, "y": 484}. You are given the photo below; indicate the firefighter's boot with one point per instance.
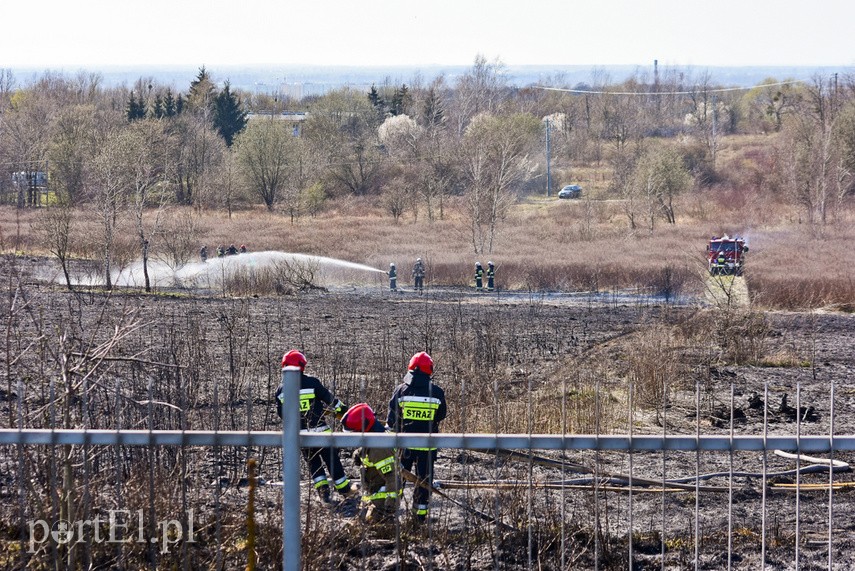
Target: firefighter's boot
{"x": 350, "y": 491}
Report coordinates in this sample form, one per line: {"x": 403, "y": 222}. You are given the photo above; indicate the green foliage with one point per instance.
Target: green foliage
{"x": 229, "y": 116}
{"x": 313, "y": 198}
{"x": 159, "y": 109}
{"x": 661, "y": 176}
{"x": 135, "y": 109}
{"x": 202, "y": 91}
{"x": 169, "y": 104}
{"x": 400, "y": 101}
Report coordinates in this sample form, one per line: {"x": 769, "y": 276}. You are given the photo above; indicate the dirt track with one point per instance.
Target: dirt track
{"x": 727, "y": 291}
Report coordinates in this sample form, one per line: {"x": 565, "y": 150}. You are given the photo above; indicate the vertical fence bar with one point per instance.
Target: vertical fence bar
{"x": 697, "y": 473}
{"x": 730, "y": 488}
{"x": 291, "y": 559}
{"x": 798, "y": 468}
{"x": 830, "y": 478}
{"x": 765, "y": 479}
{"x": 630, "y": 483}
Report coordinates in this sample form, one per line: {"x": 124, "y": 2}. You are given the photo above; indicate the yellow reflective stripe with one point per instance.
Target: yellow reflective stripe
{"x": 342, "y": 484}
{"x": 379, "y": 496}
{"x": 379, "y": 464}
{"x": 385, "y": 465}
{"x": 321, "y": 481}
{"x": 434, "y": 448}
{"x": 418, "y": 399}
{"x": 427, "y": 405}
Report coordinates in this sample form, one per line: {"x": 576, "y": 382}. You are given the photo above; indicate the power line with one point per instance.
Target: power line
{"x": 719, "y": 90}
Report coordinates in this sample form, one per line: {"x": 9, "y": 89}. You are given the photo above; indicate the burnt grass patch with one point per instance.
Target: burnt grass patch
{"x": 508, "y": 363}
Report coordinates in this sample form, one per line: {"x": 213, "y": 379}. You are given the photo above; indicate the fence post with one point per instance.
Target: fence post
{"x": 291, "y": 545}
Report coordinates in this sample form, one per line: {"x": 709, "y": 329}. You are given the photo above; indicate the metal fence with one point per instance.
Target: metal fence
{"x": 525, "y": 447}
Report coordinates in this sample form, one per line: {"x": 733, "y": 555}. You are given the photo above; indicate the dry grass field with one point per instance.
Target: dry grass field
{"x": 543, "y": 245}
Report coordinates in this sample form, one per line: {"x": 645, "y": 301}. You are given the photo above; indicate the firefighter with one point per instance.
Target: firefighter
{"x": 479, "y": 277}
{"x": 418, "y": 275}
{"x": 315, "y": 399}
{"x": 491, "y": 276}
{"x": 722, "y": 262}
{"x": 393, "y": 277}
{"x": 203, "y": 253}
{"x": 221, "y": 251}
{"x": 418, "y": 405}
{"x": 380, "y": 476}
{"x": 243, "y": 249}
{"x": 232, "y": 251}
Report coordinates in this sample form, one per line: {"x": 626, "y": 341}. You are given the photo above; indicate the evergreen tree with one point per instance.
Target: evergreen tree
{"x": 136, "y": 108}
{"x": 159, "y": 109}
{"x": 229, "y": 115}
{"x": 433, "y": 112}
{"x": 180, "y": 104}
{"x": 399, "y": 101}
{"x": 202, "y": 91}
{"x": 169, "y": 104}
{"x": 374, "y": 97}
{"x": 377, "y": 102}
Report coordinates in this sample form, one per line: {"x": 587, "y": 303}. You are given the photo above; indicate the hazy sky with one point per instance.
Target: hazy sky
{"x": 90, "y": 33}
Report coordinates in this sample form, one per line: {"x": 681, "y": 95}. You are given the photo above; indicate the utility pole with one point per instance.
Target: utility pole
{"x": 714, "y": 146}
{"x": 548, "y": 172}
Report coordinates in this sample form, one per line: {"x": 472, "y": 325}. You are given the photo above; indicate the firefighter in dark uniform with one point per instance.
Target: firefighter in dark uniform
{"x": 380, "y": 475}
{"x": 418, "y": 405}
{"x": 491, "y": 276}
{"x": 315, "y": 399}
{"x": 203, "y": 253}
{"x": 418, "y": 275}
{"x": 479, "y": 276}
{"x": 393, "y": 277}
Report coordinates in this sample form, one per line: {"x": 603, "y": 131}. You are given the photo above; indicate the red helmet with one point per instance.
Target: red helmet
{"x": 358, "y": 418}
{"x": 294, "y": 358}
{"x": 422, "y": 362}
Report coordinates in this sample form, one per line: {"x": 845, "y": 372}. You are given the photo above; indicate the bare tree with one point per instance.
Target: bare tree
{"x": 70, "y": 151}
{"x": 659, "y": 178}
{"x": 110, "y": 182}
{"x": 200, "y": 151}
{"x": 495, "y": 158}
{"x": 25, "y": 131}
{"x": 55, "y": 227}
{"x": 146, "y": 163}
{"x": 342, "y": 128}
{"x": 815, "y": 167}
{"x": 263, "y": 153}
{"x": 479, "y": 90}
{"x": 179, "y": 236}
{"x": 227, "y": 185}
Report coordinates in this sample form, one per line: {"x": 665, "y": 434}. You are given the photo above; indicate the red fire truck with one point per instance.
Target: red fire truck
{"x": 726, "y": 255}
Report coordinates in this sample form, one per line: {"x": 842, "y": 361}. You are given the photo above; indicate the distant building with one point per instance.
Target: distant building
{"x": 296, "y": 118}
